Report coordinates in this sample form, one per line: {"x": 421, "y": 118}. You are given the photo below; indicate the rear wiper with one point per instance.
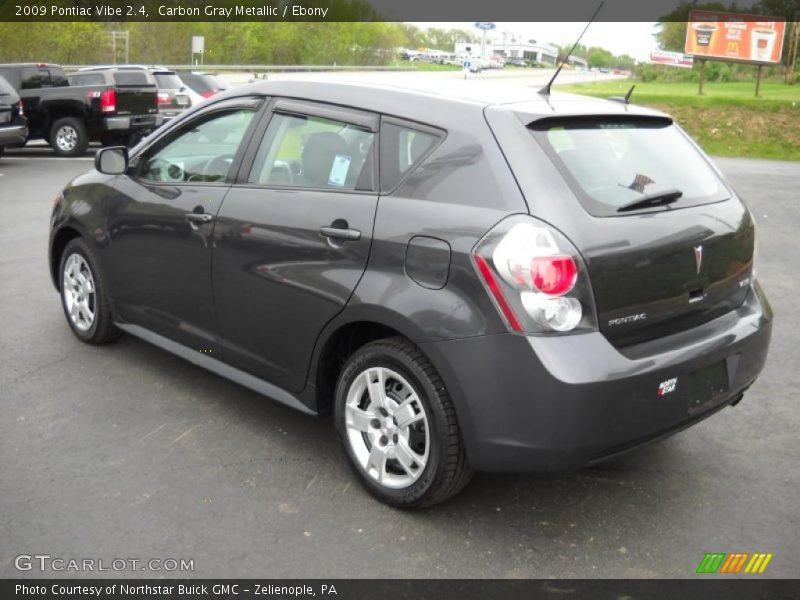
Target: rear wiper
{"x": 655, "y": 199}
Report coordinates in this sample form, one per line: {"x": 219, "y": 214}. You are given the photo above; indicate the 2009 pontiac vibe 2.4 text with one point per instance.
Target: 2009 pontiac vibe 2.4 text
{"x": 463, "y": 285}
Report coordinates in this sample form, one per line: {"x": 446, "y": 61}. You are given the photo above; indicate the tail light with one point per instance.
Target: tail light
{"x": 164, "y": 98}
{"x": 108, "y": 101}
{"x": 535, "y": 277}
{"x": 21, "y": 109}
{"x": 207, "y": 93}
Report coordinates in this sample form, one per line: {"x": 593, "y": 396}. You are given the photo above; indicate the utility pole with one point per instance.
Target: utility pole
{"x": 794, "y": 43}
{"x": 123, "y": 37}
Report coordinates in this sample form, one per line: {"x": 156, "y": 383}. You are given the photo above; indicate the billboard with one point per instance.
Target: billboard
{"x": 736, "y": 37}
{"x": 673, "y": 59}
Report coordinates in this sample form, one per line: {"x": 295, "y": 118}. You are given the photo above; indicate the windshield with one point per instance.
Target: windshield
{"x": 612, "y": 162}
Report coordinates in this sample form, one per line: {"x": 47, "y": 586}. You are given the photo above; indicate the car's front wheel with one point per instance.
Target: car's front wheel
{"x": 398, "y": 426}
{"x": 83, "y": 295}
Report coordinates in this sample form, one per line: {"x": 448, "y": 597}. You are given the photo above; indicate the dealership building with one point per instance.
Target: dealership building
{"x": 530, "y": 50}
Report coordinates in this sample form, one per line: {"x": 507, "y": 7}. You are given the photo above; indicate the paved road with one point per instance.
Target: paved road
{"x": 126, "y": 451}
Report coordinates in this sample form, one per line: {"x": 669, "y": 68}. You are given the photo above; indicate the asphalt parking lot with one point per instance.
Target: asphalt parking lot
{"x": 127, "y": 451}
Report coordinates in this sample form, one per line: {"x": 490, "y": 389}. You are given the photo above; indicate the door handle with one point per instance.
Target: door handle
{"x": 199, "y": 217}
{"x": 350, "y": 235}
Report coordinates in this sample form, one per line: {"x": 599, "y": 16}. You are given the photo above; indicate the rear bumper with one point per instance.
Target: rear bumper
{"x": 547, "y": 404}
{"x": 132, "y": 123}
{"x": 15, "y": 135}
{"x": 167, "y": 114}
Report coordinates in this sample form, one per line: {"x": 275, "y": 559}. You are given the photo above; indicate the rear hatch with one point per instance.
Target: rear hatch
{"x": 5, "y": 110}
{"x": 204, "y": 84}
{"x": 660, "y": 267}
{"x": 171, "y": 91}
{"x": 136, "y": 92}
{"x": 9, "y": 102}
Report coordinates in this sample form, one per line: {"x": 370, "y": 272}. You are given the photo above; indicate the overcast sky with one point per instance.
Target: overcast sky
{"x": 635, "y": 39}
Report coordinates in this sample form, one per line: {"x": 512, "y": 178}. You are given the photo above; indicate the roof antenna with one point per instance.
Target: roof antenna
{"x": 545, "y": 91}
{"x": 626, "y": 99}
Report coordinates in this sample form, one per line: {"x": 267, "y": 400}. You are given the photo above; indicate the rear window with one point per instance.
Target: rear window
{"x": 216, "y": 83}
{"x": 6, "y": 89}
{"x": 168, "y": 81}
{"x": 87, "y": 79}
{"x": 11, "y": 76}
{"x": 610, "y": 162}
{"x": 131, "y": 78}
{"x": 196, "y": 82}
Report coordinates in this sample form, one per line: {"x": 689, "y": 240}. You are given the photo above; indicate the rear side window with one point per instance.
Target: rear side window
{"x": 131, "y": 78}
{"x": 314, "y": 152}
{"x": 34, "y": 78}
{"x": 402, "y": 148}
{"x": 610, "y": 162}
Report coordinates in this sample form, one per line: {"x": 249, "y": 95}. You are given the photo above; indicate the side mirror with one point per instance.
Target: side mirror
{"x": 112, "y": 161}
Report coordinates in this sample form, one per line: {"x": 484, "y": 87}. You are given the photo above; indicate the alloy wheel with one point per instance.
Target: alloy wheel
{"x": 387, "y": 427}
{"x": 78, "y": 291}
{"x": 66, "y": 138}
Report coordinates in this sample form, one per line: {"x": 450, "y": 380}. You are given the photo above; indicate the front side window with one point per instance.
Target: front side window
{"x": 203, "y": 151}
{"x": 308, "y": 151}
{"x": 614, "y": 162}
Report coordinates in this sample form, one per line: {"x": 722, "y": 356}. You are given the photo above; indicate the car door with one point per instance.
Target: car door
{"x": 293, "y": 236}
{"x": 161, "y": 223}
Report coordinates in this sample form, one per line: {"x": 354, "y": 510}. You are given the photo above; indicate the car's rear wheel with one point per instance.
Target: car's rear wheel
{"x": 83, "y": 295}
{"x": 68, "y": 137}
{"x": 398, "y": 426}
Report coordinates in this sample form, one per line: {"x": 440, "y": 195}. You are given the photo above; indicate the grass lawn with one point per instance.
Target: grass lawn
{"x": 426, "y": 66}
{"x": 727, "y": 120}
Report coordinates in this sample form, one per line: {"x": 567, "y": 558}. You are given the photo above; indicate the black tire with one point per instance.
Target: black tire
{"x": 447, "y": 470}
{"x": 102, "y": 329}
{"x": 110, "y": 140}
{"x": 75, "y": 141}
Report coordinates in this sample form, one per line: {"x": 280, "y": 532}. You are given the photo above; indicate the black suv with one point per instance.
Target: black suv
{"x": 529, "y": 286}
{"x": 13, "y": 123}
